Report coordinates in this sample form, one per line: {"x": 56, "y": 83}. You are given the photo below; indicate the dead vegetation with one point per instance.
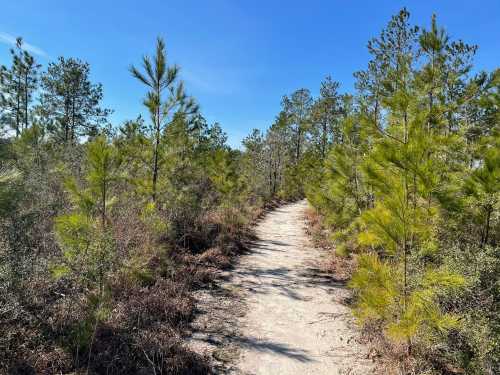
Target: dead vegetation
{"x": 341, "y": 267}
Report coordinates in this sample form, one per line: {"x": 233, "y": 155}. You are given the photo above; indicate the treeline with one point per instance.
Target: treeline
{"x": 105, "y": 231}
{"x": 406, "y": 174}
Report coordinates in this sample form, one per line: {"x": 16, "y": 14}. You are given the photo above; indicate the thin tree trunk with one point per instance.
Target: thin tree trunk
{"x": 297, "y": 151}
{"x": 323, "y": 140}
{"x": 486, "y": 232}
{"x": 270, "y": 166}
{"x": 155, "y": 165}
{"x": 157, "y": 145}
{"x": 26, "y": 96}
{"x": 18, "y": 106}
{"x": 72, "y": 132}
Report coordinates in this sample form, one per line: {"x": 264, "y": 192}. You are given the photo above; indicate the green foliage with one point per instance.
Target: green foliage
{"x": 409, "y": 183}
{"x": 376, "y": 282}
{"x": 160, "y": 78}
{"x": 76, "y": 204}
{"x": 17, "y": 86}
{"x": 405, "y": 173}
{"x": 482, "y": 188}
{"x": 84, "y": 234}
{"x": 69, "y": 101}
{"x": 8, "y": 190}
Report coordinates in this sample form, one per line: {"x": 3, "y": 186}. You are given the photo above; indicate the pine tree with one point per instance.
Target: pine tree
{"x": 326, "y": 116}
{"x": 257, "y": 165}
{"x": 161, "y": 78}
{"x": 277, "y": 153}
{"x": 399, "y": 280}
{"x": 85, "y": 234}
{"x": 135, "y": 147}
{"x": 70, "y": 102}
{"x": 17, "y": 85}
{"x": 298, "y": 108}
{"x": 341, "y": 193}
{"x": 482, "y": 188}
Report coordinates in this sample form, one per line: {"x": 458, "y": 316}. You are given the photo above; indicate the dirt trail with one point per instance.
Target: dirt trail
{"x": 289, "y": 318}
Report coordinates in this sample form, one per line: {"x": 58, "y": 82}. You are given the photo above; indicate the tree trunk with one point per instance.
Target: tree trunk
{"x": 18, "y": 106}
{"x": 155, "y": 163}
{"x": 297, "y": 148}
{"x": 323, "y": 140}
{"x": 156, "y": 149}
{"x": 72, "y": 132}
{"x": 26, "y": 96}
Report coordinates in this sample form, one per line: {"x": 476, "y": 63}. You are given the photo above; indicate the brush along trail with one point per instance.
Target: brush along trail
{"x": 285, "y": 316}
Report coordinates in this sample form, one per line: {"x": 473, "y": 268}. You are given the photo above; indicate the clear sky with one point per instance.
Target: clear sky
{"x": 238, "y": 58}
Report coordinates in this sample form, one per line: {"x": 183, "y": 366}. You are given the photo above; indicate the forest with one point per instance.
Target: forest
{"x": 107, "y": 230}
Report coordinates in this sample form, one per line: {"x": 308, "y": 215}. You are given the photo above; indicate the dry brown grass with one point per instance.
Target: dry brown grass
{"x": 341, "y": 267}
{"x": 148, "y": 306}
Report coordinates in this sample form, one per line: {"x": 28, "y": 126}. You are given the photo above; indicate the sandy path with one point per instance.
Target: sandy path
{"x": 293, "y": 321}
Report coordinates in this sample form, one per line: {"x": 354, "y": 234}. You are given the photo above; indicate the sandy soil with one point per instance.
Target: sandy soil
{"x": 277, "y": 313}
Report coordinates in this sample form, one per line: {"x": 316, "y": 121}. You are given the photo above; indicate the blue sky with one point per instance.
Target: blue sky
{"x": 238, "y": 58}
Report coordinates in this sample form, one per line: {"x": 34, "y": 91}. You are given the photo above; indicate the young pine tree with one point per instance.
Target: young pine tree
{"x": 165, "y": 97}
{"x": 400, "y": 278}
{"x": 85, "y": 233}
